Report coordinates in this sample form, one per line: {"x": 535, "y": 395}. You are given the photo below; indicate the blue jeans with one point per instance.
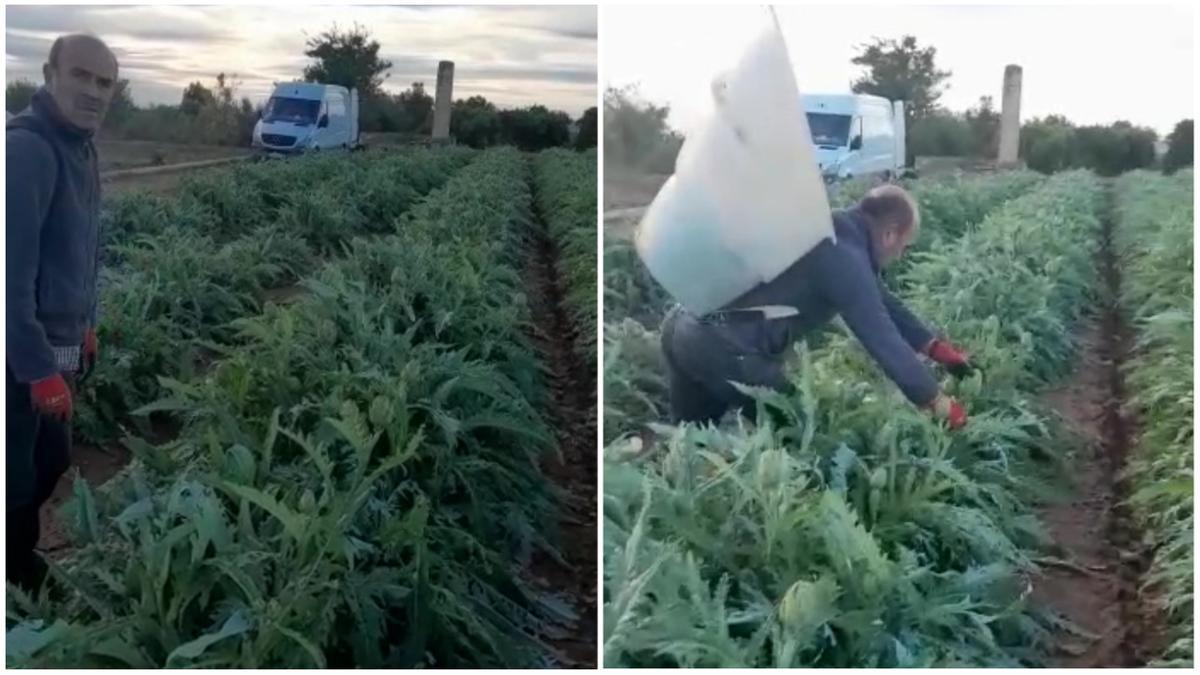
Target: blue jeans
{"x": 703, "y": 362}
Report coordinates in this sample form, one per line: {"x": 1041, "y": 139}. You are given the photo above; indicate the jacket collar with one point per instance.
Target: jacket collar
{"x": 44, "y": 106}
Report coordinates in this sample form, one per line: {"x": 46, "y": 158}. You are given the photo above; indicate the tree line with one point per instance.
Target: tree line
{"x": 636, "y": 132}
{"x": 205, "y": 115}
{"x": 215, "y": 115}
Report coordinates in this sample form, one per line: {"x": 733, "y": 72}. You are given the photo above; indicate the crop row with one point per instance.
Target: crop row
{"x": 1154, "y": 235}
{"x": 324, "y": 199}
{"x": 565, "y": 185}
{"x": 178, "y": 271}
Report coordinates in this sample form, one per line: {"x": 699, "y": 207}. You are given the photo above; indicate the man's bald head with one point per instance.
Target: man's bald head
{"x": 895, "y": 220}
{"x": 82, "y": 41}
{"x": 891, "y": 205}
{"x": 81, "y": 76}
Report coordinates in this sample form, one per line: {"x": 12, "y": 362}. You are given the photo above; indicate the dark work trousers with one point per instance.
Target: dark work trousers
{"x": 37, "y": 455}
{"x": 702, "y": 364}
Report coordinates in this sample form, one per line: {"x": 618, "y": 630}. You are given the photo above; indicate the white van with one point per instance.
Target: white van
{"x": 856, "y": 135}
{"x": 305, "y": 116}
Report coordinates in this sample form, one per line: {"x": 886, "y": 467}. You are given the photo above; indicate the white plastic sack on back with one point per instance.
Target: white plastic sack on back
{"x": 747, "y": 199}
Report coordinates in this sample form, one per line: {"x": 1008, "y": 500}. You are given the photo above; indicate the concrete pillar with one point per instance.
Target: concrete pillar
{"x": 1010, "y": 117}
{"x": 443, "y": 100}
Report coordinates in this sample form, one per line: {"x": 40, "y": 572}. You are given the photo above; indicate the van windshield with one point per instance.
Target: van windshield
{"x": 829, "y": 129}
{"x": 297, "y": 110}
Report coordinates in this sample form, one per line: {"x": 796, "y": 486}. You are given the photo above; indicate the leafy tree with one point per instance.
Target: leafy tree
{"x": 18, "y": 94}
{"x": 206, "y": 116}
{"x": 121, "y": 108}
{"x": 1047, "y": 144}
{"x": 226, "y": 85}
{"x": 349, "y": 58}
{"x": 378, "y": 113}
{"x": 535, "y": 128}
{"x": 410, "y": 111}
{"x": 247, "y": 117}
{"x": 587, "y": 129}
{"x": 416, "y": 109}
{"x": 636, "y": 133}
{"x": 1181, "y": 149}
{"x": 901, "y": 71}
{"x": 475, "y": 122}
{"x": 478, "y": 123}
{"x": 1115, "y": 149}
{"x": 196, "y": 97}
{"x": 1054, "y": 144}
{"x": 983, "y": 121}
{"x": 940, "y": 134}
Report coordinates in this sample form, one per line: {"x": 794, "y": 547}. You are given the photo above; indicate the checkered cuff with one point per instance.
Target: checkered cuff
{"x": 67, "y": 358}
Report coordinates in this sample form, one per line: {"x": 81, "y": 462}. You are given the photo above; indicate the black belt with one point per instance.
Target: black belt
{"x": 731, "y": 318}
{"x": 736, "y": 316}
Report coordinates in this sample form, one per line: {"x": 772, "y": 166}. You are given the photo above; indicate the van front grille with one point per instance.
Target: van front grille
{"x": 279, "y": 140}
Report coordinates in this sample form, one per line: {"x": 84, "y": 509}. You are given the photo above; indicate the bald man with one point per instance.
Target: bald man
{"x": 746, "y": 341}
{"x": 52, "y": 233}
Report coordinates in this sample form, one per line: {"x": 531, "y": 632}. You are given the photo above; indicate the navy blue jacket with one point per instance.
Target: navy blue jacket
{"x": 844, "y": 279}
{"x": 52, "y": 236}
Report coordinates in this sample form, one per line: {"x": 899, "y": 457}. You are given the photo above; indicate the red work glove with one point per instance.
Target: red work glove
{"x": 51, "y": 397}
{"x": 950, "y": 410}
{"x": 89, "y": 353}
{"x": 955, "y": 360}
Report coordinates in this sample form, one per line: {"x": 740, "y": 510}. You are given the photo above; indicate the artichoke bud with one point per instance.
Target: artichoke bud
{"x": 308, "y": 501}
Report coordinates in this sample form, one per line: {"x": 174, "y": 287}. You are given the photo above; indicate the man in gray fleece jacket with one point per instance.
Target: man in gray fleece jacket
{"x": 52, "y": 236}
{"x": 746, "y": 341}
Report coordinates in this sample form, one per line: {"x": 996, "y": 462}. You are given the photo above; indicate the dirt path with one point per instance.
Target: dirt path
{"x": 627, "y": 187}
{"x": 116, "y": 155}
{"x": 1088, "y": 594}
{"x": 1097, "y": 588}
{"x": 572, "y": 393}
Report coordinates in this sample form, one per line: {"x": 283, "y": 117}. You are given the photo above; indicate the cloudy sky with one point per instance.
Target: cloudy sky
{"x": 1093, "y": 64}
{"x": 514, "y": 56}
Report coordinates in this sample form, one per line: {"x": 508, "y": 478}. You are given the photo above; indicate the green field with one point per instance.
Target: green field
{"x": 851, "y": 530}
{"x": 337, "y": 417}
